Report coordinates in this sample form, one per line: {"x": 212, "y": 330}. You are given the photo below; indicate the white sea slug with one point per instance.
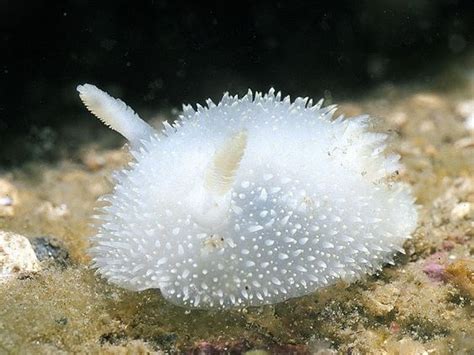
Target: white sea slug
{"x": 251, "y": 201}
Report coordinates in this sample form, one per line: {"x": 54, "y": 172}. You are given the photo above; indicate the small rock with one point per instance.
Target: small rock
{"x": 431, "y": 150}
{"x": 219, "y": 347}
{"x": 47, "y": 248}
{"x": 382, "y": 300}
{"x": 466, "y": 142}
{"x": 17, "y": 257}
{"x": 469, "y": 123}
{"x": 96, "y": 160}
{"x": 394, "y": 327}
{"x": 428, "y": 99}
{"x": 434, "y": 271}
{"x": 204, "y": 347}
{"x": 320, "y": 347}
{"x": 434, "y": 267}
{"x": 398, "y": 118}
{"x": 427, "y": 126}
{"x": 460, "y": 211}
{"x": 53, "y": 211}
{"x": 131, "y": 347}
{"x": 8, "y": 198}
{"x": 447, "y": 245}
{"x": 461, "y": 274}
{"x": 257, "y": 352}
{"x": 405, "y": 346}
{"x": 466, "y": 110}
{"x": 300, "y": 349}
{"x": 93, "y": 161}
{"x": 62, "y": 321}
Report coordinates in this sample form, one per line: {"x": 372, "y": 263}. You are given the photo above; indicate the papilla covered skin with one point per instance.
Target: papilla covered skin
{"x": 251, "y": 201}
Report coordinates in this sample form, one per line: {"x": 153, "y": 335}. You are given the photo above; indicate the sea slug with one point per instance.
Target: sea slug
{"x": 250, "y": 201}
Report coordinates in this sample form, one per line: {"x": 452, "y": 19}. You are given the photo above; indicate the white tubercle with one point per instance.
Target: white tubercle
{"x": 115, "y": 114}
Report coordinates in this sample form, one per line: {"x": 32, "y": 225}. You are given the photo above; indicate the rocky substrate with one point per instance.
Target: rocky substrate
{"x": 52, "y": 301}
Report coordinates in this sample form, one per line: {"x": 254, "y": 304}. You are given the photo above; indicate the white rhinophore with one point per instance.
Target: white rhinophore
{"x": 115, "y": 114}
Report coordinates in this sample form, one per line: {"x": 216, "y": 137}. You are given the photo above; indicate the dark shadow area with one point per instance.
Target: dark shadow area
{"x": 159, "y": 54}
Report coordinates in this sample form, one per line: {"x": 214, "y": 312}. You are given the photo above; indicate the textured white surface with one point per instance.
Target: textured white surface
{"x": 466, "y": 110}
{"x": 16, "y": 256}
{"x": 114, "y": 113}
{"x": 311, "y": 201}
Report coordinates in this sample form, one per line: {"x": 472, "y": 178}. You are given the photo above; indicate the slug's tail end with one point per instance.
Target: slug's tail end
{"x": 114, "y": 113}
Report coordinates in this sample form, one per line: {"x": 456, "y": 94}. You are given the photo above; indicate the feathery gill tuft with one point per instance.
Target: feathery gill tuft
{"x": 221, "y": 174}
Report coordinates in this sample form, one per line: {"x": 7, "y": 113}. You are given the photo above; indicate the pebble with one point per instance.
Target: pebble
{"x": 466, "y": 110}
{"x": 466, "y": 142}
{"x": 469, "y": 123}
{"x": 381, "y": 301}
{"x": 434, "y": 271}
{"x": 461, "y": 274}
{"x": 93, "y": 161}
{"x": 48, "y": 248}
{"x": 8, "y": 198}
{"x": 96, "y": 160}
{"x": 17, "y": 256}
{"x": 406, "y": 346}
{"x": 427, "y": 126}
{"x": 428, "y": 100}
{"x": 460, "y": 211}
{"x": 398, "y": 118}
{"x": 447, "y": 245}
{"x": 52, "y": 211}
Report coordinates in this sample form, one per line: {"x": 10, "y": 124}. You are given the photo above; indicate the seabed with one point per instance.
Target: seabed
{"x": 423, "y": 304}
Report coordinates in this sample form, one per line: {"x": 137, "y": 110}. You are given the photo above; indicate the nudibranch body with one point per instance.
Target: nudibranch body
{"x": 250, "y": 201}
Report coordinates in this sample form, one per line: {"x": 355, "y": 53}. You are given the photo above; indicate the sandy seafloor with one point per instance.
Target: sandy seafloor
{"x": 422, "y": 305}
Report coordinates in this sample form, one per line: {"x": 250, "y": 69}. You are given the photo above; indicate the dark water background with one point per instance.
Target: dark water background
{"x": 159, "y": 54}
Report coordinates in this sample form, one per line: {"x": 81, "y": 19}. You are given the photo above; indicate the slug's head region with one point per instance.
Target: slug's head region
{"x": 249, "y": 201}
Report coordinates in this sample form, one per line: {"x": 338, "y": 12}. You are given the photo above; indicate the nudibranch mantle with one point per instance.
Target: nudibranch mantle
{"x": 250, "y": 201}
